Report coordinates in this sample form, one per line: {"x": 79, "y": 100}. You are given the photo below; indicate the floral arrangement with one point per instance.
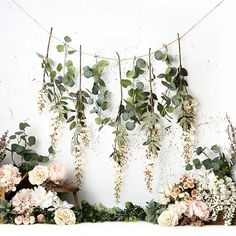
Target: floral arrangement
{"x": 23, "y": 207}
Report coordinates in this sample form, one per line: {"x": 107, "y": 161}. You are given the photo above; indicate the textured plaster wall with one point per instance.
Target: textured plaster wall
{"x": 129, "y": 27}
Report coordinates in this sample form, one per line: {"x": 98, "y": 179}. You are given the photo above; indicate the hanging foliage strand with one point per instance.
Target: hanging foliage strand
{"x": 152, "y": 127}
{"x": 99, "y": 93}
{"x": 120, "y": 149}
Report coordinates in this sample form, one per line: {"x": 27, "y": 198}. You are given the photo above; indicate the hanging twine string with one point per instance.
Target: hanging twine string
{"x": 111, "y": 58}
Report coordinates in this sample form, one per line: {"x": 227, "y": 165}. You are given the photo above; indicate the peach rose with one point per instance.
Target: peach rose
{"x": 197, "y": 208}
{"x": 57, "y": 173}
{"x": 40, "y": 218}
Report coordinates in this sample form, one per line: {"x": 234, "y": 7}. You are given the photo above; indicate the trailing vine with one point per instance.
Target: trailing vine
{"x": 135, "y": 103}
{"x": 167, "y": 106}
{"x": 176, "y": 97}
{"x": 77, "y": 121}
{"x": 99, "y": 91}
{"x": 188, "y": 109}
{"x": 151, "y": 125}
{"x": 66, "y": 103}
{"x": 56, "y": 81}
{"x": 120, "y": 149}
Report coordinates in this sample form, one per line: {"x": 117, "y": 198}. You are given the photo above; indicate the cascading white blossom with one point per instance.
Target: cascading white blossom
{"x": 188, "y": 136}
{"x": 55, "y": 128}
{"x": 218, "y": 194}
{"x": 80, "y": 142}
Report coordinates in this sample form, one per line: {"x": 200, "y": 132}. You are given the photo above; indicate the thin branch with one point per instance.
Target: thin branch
{"x": 46, "y": 57}
{"x": 79, "y": 96}
{"x": 80, "y": 68}
{"x": 180, "y": 58}
{"x": 120, "y": 77}
{"x": 150, "y": 79}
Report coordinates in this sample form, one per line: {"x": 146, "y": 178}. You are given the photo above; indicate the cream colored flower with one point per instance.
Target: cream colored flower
{"x": 26, "y": 221}
{"x": 179, "y": 208}
{"x": 32, "y": 220}
{"x": 38, "y": 175}
{"x": 18, "y": 220}
{"x": 64, "y": 216}
{"x": 168, "y": 218}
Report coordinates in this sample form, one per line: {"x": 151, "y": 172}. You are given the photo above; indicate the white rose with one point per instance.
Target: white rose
{"x": 168, "y": 218}
{"x": 179, "y": 208}
{"x": 64, "y": 216}
{"x": 38, "y": 175}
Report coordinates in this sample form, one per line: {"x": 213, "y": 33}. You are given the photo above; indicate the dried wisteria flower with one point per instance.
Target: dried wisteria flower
{"x": 231, "y": 130}
{"x": 151, "y": 155}
{"x": 41, "y": 100}
{"x": 3, "y": 145}
{"x": 55, "y": 126}
{"x": 119, "y": 156}
{"x": 188, "y": 135}
{"x": 80, "y": 142}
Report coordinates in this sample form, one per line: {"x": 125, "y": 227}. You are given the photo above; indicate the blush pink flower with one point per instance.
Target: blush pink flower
{"x": 23, "y": 202}
{"x": 9, "y": 177}
{"x": 197, "y": 208}
{"x": 57, "y": 173}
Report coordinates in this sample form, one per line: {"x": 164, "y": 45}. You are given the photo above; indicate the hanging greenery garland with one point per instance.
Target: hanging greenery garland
{"x": 140, "y": 107}
{"x": 120, "y": 149}
{"x": 67, "y": 104}
{"x": 151, "y": 125}
{"x": 188, "y": 109}
{"x": 177, "y": 98}
{"x": 99, "y": 92}
{"x": 77, "y": 121}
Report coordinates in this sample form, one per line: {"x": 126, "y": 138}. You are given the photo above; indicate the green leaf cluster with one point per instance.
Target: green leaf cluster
{"x": 99, "y": 91}
{"x": 153, "y": 210}
{"x": 6, "y": 212}
{"x": 121, "y": 140}
{"x": 21, "y": 146}
{"x": 218, "y": 164}
{"x": 100, "y": 213}
{"x": 163, "y": 56}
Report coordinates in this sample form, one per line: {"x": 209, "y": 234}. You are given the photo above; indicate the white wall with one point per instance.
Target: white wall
{"x": 130, "y": 27}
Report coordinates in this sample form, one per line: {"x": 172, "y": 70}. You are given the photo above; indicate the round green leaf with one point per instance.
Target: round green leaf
{"x": 141, "y": 64}
{"x": 140, "y": 85}
{"x": 125, "y": 116}
{"x": 130, "y": 74}
{"x": 130, "y": 125}
{"x": 67, "y": 39}
{"x": 32, "y": 140}
{"x": 158, "y": 55}
{"x": 125, "y": 83}
{"x": 188, "y": 167}
{"x": 60, "y": 48}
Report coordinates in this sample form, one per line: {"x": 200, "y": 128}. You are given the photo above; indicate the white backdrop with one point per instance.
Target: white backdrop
{"x": 129, "y": 27}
